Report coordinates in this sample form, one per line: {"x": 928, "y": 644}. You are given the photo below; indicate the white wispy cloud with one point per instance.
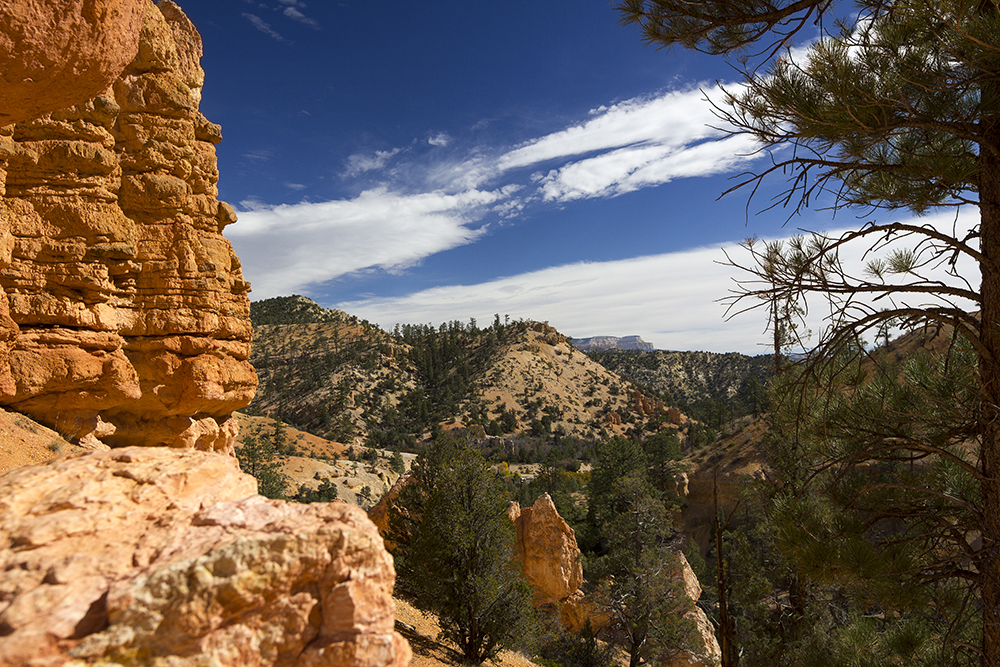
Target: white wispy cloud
{"x": 629, "y": 169}
{"x": 360, "y": 163}
{"x": 637, "y": 143}
{"x": 631, "y": 145}
{"x": 258, "y": 155}
{"x": 675, "y": 118}
{"x": 672, "y": 300}
{"x": 263, "y": 26}
{"x": 440, "y": 139}
{"x": 667, "y": 299}
{"x": 296, "y": 15}
{"x": 284, "y": 249}
{"x": 419, "y": 203}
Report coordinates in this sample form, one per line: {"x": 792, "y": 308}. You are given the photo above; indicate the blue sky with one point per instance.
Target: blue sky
{"x": 423, "y": 162}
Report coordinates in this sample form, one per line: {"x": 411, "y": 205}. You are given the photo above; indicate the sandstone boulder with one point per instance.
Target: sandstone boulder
{"x": 379, "y": 512}
{"x": 549, "y": 554}
{"x": 56, "y": 53}
{"x": 165, "y": 557}
{"x": 125, "y": 317}
{"x": 577, "y": 611}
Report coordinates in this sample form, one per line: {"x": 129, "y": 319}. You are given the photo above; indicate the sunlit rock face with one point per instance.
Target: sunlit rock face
{"x": 550, "y": 557}
{"x": 127, "y": 314}
{"x": 55, "y": 53}
{"x": 155, "y": 556}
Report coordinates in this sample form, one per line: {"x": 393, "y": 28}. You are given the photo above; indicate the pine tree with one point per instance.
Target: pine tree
{"x": 897, "y": 109}
{"x": 258, "y": 457}
{"x": 641, "y": 588}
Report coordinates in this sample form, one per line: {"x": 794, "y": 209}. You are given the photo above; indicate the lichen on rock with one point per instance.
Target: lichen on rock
{"x": 161, "y": 556}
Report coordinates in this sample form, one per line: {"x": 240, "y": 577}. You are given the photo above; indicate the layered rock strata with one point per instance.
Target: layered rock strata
{"x": 128, "y": 314}
{"x": 165, "y": 557}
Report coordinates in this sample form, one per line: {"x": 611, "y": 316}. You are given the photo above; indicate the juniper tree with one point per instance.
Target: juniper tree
{"x": 641, "y": 588}
{"x": 897, "y": 109}
{"x": 463, "y": 554}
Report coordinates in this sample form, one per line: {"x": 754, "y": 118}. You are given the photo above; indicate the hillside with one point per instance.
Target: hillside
{"x": 710, "y": 386}
{"x": 552, "y": 386}
{"x": 324, "y": 371}
{"x": 341, "y": 378}
{"x": 308, "y": 461}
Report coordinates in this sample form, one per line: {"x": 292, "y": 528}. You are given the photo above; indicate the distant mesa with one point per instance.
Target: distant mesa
{"x": 604, "y": 343}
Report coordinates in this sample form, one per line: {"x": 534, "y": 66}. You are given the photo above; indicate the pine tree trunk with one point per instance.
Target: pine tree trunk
{"x": 989, "y": 378}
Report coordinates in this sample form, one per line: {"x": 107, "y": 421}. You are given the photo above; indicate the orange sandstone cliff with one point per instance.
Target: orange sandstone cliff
{"x": 126, "y": 317}
{"x": 56, "y": 54}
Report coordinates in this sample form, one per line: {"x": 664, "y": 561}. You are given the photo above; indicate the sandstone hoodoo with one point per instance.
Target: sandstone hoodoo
{"x": 155, "y": 556}
{"x": 549, "y": 554}
{"x": 128, "y": 313}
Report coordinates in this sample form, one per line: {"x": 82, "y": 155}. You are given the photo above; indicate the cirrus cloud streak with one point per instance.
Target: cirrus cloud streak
{"x": 410, "y": 210}
{"x": 673, "y": 300}
{"x": 286, "y": 248}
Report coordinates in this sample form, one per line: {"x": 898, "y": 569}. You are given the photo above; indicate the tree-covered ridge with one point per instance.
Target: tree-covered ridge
{"x": 343, "y": 378}
{"x": 711, "y": 387}
{"x": 349, "y": 381}
{"x": 328, "y": 378}
{"x": 293, "y": 309}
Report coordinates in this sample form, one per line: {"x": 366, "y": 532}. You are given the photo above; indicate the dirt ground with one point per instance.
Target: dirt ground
{"x": 421, "y": 630}
{"x": 25, "y": 442}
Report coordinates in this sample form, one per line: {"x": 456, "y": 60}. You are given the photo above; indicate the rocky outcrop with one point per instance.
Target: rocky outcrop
{"x": 128, "y": 315}
{"x": 62, "y": 52}
{"x": 550, "y": 557}
{"x": 379, "y": 512}
{"x": 703, "y": 648}
{"x": 160, "y": 556}
{"x": 703, "y": 490}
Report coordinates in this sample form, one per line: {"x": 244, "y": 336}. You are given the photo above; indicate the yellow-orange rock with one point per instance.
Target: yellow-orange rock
{"x": 126, "y": 307}
{"x": 577, "y": 611}
{"x": 550, "y": 557}
{"x": 379, "y": 512}
{"x": 56, "y": 53}
{"x": 165, "y": 556}
{"x": 703, "y": 650}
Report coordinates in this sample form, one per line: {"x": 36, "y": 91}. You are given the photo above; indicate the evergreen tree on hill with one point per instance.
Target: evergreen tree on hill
{"x": 463, "y": 558}
{"x": 258, "y": 456}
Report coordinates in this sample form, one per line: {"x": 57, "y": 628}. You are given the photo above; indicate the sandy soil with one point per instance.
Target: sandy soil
{"x": 421, "y": 630}
{"x": 25, "y": 442}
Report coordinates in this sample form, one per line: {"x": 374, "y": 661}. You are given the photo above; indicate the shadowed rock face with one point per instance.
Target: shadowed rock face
{"x": 128, "y": 314}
